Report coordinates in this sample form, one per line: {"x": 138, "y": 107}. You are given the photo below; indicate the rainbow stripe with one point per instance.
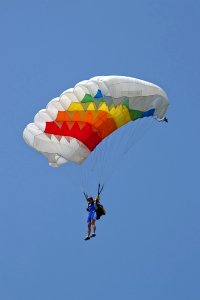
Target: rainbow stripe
{"x": 92, "y": 119}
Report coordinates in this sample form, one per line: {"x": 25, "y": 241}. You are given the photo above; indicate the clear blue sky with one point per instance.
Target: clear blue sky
{"x": 148, "y": 245}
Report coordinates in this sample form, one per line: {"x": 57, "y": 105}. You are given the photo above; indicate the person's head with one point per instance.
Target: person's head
{"x": 90, "y": 200}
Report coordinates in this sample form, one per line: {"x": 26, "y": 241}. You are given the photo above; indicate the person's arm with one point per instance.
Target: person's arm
{"x": 97, "y": 198}
{"x": 86, "y": 195}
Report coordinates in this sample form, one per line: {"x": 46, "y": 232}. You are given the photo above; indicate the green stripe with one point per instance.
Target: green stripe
{"x": 87, "y": 98}
{"x": 125, "y": 102}
{"x": 135, "y": 114}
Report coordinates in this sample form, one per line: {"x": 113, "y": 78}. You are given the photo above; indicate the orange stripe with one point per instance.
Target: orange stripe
{"x": 100, "y": 120}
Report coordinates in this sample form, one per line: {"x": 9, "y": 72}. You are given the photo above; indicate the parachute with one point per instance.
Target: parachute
{"x": 74, "y": 125}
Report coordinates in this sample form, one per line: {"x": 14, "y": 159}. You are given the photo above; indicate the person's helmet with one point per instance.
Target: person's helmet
{"x": 90, "y": 199}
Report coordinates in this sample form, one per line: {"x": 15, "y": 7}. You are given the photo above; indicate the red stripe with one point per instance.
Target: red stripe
{"x": 86, "y": 134}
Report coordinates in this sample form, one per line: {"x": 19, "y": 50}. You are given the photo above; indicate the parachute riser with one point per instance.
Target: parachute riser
{"x": 100, "y": 189}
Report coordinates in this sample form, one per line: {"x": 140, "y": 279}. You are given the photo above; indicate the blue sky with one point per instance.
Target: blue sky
{"x": 148, "y": 245}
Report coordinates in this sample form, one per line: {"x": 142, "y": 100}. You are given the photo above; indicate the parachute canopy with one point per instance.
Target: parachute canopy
{"x": 72, "y": 125}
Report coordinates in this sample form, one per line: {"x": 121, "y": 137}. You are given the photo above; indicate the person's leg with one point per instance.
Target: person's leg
{"x": 88, "y": 232}
{"x": 93, "y": 226}
{"x": 89, "y": 228}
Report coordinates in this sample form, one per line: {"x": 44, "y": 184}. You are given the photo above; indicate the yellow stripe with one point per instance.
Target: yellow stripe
{"x": 75, "y": 106}
{"x": 120, "y": 114}
{"x": 91, "y": 106}
{"x": 103, "y": 107}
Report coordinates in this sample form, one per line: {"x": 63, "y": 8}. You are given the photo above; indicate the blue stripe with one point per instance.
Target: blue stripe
{"x": 98, "y": 94}
{"x": 148, "y": 113}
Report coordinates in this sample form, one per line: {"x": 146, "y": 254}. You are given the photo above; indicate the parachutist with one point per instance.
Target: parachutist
{"x": 91, "y": 217}
{"x": 96, "y": 210}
